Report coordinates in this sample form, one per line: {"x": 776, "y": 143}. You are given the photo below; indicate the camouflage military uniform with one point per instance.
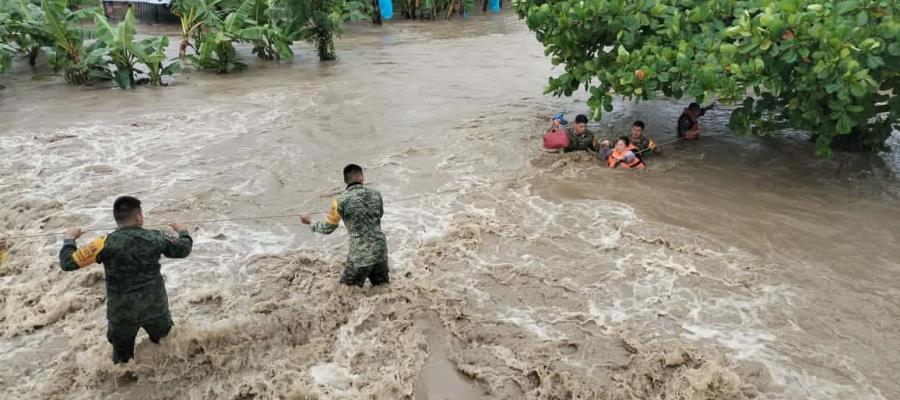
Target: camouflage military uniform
{"x": 644, "y": 146}
{"x": 135, "y": 292}
{"x": 361, "y": 209}
{"x": 584, "y": 141}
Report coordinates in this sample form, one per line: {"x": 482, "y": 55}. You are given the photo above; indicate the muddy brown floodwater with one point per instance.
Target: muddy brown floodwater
{"x": 732, "y": 268}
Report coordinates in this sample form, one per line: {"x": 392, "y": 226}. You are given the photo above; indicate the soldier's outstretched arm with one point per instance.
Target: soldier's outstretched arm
{"x": 179, "y": 247}
{"x": 331, "y": 221}
{"x": 72, "y": 258}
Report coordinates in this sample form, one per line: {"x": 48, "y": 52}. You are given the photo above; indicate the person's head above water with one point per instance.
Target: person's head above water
{"x": 637, "y": 130}
{"x": 622, "y": 143}
{"x": 694, "y": 109}
{"x": 580, "y": 123}
{"x": 353, "y": 174}
{"x": 127, "y": 211}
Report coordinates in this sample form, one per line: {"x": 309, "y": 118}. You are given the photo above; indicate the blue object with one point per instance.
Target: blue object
{"x": 560, "y": 116}
{"x": 494, "y": 5}
{"x": 387, "y": 9}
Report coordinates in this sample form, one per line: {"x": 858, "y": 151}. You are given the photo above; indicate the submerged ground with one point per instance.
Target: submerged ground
{"x": 731, "y": 268}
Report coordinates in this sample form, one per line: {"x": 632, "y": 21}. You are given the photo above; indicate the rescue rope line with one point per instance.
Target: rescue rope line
{"x": 265, "y": 217}
{"x": 280, "y": 216}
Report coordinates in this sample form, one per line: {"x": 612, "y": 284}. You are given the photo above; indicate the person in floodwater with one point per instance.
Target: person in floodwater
{"x": 688, "y": 122}
{"x": 622, "y": 154}
{"x": 641, "y": 142}
{"x": 580, "y": 138}
{"x": 135, "y": 290}
{"x": 361, "y": 208}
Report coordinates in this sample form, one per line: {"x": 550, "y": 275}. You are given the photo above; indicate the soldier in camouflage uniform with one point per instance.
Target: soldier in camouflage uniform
{"x": 580, "y": 137}
{"x": 644, "y": 144}
{"x": 361, "y": 209}
{"x": 135, "y": 291}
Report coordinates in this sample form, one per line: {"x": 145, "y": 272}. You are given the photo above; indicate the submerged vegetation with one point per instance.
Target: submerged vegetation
{"x": 210, "y": 29}
{"x": 828, "y": 67}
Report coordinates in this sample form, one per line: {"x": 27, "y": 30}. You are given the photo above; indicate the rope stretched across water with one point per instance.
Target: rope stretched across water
{"x": 294, "y": 215}
{"x": 266, "y": 217}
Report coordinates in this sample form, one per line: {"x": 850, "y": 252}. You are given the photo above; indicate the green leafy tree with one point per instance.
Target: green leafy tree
{"x": 67, "y": 52}
{"x": 828, "y": 67}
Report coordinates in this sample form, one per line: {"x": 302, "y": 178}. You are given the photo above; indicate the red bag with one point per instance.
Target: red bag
{"x": 556, "y": 139}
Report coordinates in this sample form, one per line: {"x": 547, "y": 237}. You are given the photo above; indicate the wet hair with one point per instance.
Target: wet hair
{"x": 639, "y": 124}
{"x": 694, "y": 106}
{"x": 125, "y": 208}
{"x": 624, "y": 139}
{"x": 581, "y": 119}
{"x": 351, "y": 172}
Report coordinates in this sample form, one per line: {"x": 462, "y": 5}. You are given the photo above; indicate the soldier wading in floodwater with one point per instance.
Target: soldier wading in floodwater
{"x": 361, "y": 209}
{"x": 135, "y": 291}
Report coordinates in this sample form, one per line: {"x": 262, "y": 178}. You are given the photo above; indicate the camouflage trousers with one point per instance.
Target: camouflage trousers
{"x": 122, "y": 334}
{"x": 356, "y": 276}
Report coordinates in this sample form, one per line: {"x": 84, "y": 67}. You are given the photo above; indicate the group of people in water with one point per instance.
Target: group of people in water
{"x": 135, "y": 289}
{"x": 625, "y": 151}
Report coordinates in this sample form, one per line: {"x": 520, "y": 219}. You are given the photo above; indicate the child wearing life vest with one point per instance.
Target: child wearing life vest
{"x": 621, "y": 155}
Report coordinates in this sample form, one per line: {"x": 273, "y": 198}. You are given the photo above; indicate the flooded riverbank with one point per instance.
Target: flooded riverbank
{"x": 732, "y": 268}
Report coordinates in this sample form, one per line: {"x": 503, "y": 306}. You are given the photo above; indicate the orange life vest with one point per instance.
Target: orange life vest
{"x": 613, "y": 159}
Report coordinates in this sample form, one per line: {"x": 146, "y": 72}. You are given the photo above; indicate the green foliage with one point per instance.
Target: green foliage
{"x": 213, "y": 34}
{"x": 318, "y": 21}
{"x": 197, "y": 18}
{"x": 152, "y": 52}
{"x": 433, "y": 9}
{"x": 252, "y": 22}
{"x": 21, "y": 24}
{"x": 66, "y": 51}
{"x": 216, "y": 53}
{"x": 829, "y": 67}
{"x": 118, "y": 47}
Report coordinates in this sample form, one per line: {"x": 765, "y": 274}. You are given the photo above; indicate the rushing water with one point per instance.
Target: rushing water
{"x": 731, "y": 268}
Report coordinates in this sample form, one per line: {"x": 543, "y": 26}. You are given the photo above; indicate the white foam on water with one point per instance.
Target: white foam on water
{"x": 531, "y": 321}
{"x": 331, "y": 376}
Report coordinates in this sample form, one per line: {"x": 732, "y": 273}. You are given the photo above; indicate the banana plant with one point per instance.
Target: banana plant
{"x": 152, "y": 52}
{"x": 67, "y": 52}
{"x": 120, "y": 47}
{"x": 251, "y": 22}
{"x": 23, "y": 28}
{"x": 216, "y": 53}
{"x": 197, "y": 17}
{"x": 6, "y": 51}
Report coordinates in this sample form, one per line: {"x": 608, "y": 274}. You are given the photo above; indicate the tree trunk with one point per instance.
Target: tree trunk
{"x": 325, "y": 45}
{"x": 33, "y": 55}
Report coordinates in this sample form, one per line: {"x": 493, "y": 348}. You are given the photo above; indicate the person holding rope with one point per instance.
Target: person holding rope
{"x": 689, "y": 121}
{"x": 135, "y": 290}
{"x": 361, "y": 208}
{"x": 580, "y": 137}
{"x": 641, "y": 142}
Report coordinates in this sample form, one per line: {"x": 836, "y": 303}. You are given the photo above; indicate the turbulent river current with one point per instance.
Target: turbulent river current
{"x": 731, "y": 268}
